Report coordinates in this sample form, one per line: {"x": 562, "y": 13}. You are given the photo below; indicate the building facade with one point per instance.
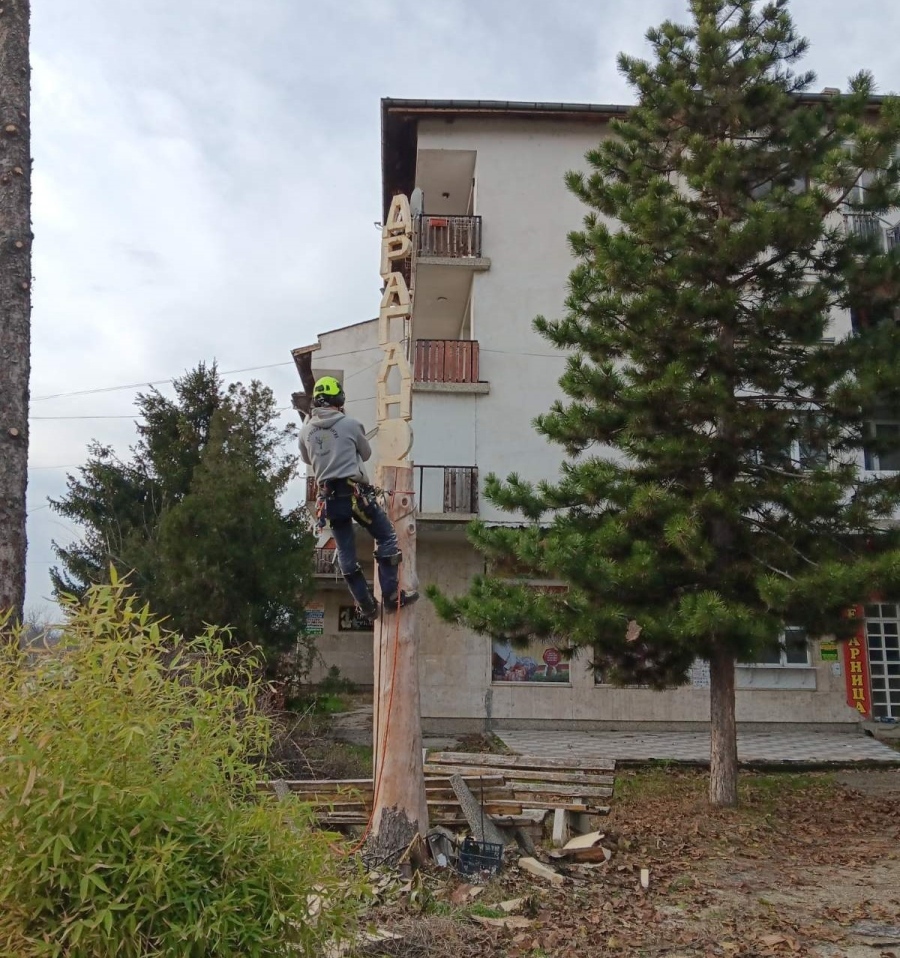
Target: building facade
{"x": 486, "y": 180}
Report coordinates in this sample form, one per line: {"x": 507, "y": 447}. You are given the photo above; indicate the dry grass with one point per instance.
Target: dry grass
{"x": 432, "y": 937}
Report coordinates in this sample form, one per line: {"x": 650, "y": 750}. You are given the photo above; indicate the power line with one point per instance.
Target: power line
{"x": 133, "y": 416}
{"x": 155, "y": 382}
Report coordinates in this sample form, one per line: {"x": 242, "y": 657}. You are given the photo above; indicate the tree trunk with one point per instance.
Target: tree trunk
{"x": 400, "y": 810}
{"x": 15, "y": 296}
{"x": 723, "y": 758}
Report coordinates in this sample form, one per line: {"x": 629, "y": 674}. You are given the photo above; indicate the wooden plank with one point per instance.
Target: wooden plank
{"x": 529, "y": 802}
{"x": 482, "y": 759}
{"x": 471, "y": 772}
{"x": 443, "y": 778}
{"x": 561, "y": 827}
{"x": 549, "y": 788}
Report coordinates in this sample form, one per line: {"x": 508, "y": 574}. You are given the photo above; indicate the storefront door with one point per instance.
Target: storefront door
{"x": 883, "y": 634}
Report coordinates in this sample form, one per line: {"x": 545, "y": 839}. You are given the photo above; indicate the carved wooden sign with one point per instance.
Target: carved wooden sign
{"x": 393, "y": 410}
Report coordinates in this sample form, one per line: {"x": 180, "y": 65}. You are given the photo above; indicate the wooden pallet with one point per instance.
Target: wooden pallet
{"x": 514, "y": 789}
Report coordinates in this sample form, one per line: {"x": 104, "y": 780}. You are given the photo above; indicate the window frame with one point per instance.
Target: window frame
{"x": 782, "y": 646}
{"x": 875, "y": 457}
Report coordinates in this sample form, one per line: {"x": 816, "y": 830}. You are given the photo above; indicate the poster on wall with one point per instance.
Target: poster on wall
{"x": 315, "y": 618}
{"x": 350, "y": 619}
{"x": 700, "y": 674}
{"x": 537, "y": 663}
{"x": 828, "y": 651}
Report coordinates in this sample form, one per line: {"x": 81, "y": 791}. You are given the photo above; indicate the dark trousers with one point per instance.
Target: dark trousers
{"x": 346, "y": 502}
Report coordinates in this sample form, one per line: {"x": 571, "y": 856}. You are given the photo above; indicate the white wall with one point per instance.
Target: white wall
{"x": 353, "y": 351}
{"x": 527, "y": 213}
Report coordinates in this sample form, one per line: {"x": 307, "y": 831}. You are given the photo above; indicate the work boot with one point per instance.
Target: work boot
{"x": 362, "y": 594}
{"x": 369, "y": 608}
{"x": 392, "y": 602}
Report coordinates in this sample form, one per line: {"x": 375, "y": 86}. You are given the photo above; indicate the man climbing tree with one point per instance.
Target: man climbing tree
{"x": 15, "y": 297}
{"x": 714, "y": 496}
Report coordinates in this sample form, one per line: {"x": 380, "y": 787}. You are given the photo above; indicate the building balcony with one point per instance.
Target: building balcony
{"x": 325, "y": 564}
{"x": 311, "y": 489}
{"x": 447, "y": 365}
{"x": 450, "y": 240}
{"x": 869, "y": 226}
{"x": 447, "y": 493}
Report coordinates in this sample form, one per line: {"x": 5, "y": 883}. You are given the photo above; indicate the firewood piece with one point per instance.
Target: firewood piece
{"x": 534, "y": 867}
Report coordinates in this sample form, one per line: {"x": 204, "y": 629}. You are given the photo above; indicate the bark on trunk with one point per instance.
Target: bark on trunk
{"x": 15, "y": 296}
{"x": 723, "y": 760}
{"x": 400, "y": 809}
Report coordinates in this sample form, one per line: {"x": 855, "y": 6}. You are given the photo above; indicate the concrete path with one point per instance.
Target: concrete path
{"x": 763, "y": 747}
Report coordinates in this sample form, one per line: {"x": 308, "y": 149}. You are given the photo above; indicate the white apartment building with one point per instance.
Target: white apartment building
{"x": 491, "y": 255}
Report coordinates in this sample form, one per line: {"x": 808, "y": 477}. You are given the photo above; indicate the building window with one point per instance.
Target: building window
{"x": 807, "y": 451}
{"x": 798, "y": 186}
{"x": 886, "y": 456}
{"x": 791, "y": 650}
{"x": 810, "y": 448}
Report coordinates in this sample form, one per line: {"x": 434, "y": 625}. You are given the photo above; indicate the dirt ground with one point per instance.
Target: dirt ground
{"x": 809, "y": 865}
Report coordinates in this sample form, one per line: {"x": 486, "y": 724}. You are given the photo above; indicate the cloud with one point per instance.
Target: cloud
{"x": 207, "y": 173}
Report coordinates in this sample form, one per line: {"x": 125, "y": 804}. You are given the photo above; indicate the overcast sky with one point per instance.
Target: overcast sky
{"x": 206, "y": 174}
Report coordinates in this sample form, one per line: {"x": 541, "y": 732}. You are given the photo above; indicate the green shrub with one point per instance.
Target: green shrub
{"x": 130, "y": 824}
{"x": 336, "y": 684}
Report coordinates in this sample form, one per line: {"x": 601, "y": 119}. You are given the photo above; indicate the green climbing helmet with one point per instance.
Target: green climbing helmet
{"x": 327, "y": 392}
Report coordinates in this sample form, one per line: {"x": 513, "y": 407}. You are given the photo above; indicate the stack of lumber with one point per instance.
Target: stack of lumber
{"x": 514, "y": 789}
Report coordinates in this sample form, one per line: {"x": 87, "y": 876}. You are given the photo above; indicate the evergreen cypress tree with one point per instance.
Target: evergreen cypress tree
{"x": 193, "y": 517}
{"x": 713, "y": 494}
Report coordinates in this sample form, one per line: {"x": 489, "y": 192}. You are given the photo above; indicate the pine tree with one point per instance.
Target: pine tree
{"x": 227, "y": 553}
{"x": 712, "y": 494}
{"x": 193, "y": 518}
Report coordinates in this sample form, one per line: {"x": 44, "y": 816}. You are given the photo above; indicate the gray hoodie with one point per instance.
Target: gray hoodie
{"x": 334, "y": 445}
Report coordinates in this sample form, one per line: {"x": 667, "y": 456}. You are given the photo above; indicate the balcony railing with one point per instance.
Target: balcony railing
{"x": 447, "y": 490}
{"x": 869, "y": 226}
{"x": 326, "y": 562}
{"x": 449, "y": 237}
{"x": 446, "y": 361}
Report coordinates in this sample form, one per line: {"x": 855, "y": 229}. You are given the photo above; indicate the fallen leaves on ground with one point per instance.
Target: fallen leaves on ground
{"x": 787, "y": 874}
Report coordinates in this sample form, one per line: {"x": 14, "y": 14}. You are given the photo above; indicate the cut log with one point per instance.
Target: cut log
{"x": 522, "y": 761}
{"x": 477, "y": 816}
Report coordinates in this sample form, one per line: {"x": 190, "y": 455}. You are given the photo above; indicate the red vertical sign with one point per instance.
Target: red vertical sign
{"x": 856, "y": 668}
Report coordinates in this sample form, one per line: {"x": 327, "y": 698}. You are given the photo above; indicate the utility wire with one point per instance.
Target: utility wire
{"x": 155, "y": 382}
{"x": 132, "y": 416}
